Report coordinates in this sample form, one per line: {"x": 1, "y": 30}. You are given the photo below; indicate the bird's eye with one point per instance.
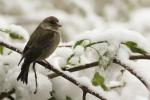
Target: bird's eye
{"x": 53, "y": 22}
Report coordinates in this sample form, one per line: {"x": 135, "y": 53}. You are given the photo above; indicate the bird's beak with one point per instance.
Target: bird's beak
{"x": 59, "y": 25}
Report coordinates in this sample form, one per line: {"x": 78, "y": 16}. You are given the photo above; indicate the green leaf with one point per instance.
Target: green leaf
{"x": 82, "y": 42}
{"x": 133, "y": 47}
{"x": 1, "y": 49}
{"x": 69, "y": 58}
{"x": 99, "y": 80}
{"x": 78, "y": 43}
{"x": 68, "y": 98}
{"x": 15, "y": 36}
{"x": 12, "y": 34}
{"x": 52, "y": 98}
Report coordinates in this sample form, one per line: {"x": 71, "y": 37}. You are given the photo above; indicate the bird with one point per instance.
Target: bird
{"x": 42, "y": 43}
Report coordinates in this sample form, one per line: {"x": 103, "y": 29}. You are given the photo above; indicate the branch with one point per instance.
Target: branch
{"x": 84, "y": 95}
{"x": 10, "y": 47}
{"x": 65, "y": 46}
{"x": 6, "y": 94}
{"x": 11, "y": 97}
{"x": 132, "y": 72}
{"x": 71, "y": 79}
{"x": 74, "y": 69}
{"x": 140, "y": 57}
{"x": 19, "y": 51}
{"x": 94, "y": 64}
{"x": 61, "y": 73}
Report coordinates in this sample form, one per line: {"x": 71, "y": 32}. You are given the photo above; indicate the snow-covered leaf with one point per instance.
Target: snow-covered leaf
{"x": 12, "y": 35}
{"x": 82, "y": 42}
{"x": 69, "y": 58}
{"x": 78, "y": 43}
{"x": 98, "y": 80}
{"x": 15, "y": 36}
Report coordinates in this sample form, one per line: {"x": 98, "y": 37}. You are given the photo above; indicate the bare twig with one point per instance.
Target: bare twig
{"x": 65, "y": 46}
{"x": 74, "y": 69}
{"x": 117, "y": 86}
{"x": 89, "y": 45}
{"x": 139, "y": 57}
{"x": 84, "y": 95}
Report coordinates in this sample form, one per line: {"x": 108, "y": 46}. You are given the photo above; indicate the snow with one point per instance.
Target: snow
{"x": 79, "y": 50}
{"x": 18, "y": 30}
{"x": 118, "y": 36}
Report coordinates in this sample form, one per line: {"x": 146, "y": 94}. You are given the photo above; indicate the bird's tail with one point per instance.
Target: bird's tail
{"x": 23, "y": 76}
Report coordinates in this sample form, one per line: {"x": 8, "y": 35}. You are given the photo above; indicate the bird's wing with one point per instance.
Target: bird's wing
{"x": 36, "y": 44}
{"x": 34, "y": 36}
{"x": 28, "y": 46}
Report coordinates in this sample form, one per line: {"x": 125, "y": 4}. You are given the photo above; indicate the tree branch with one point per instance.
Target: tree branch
{"x": 74, "y": 69}
{"x": 10, "y": 47}
{"x": 93, "y": 64}
{"x": 61, "y": 73}
{"x": 133, "y": 73}
{"x": 71, "y": 79}
{"x": 140, "y": 57}
{"x": 6, "y": 94}
{"x": 84, "y": 95}
{"x": 65, "y": 45}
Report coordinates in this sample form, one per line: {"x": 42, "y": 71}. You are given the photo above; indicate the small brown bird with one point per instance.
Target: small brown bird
{"x": 41, "y": 44}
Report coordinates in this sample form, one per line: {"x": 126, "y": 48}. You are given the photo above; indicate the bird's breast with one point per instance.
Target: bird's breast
{"x": 50, "y": 47}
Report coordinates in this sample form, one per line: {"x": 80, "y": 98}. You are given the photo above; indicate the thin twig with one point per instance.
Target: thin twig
{"x": 139, "y": 57}
{"x": 84, "y": 95}
{"x": 95, "y": 43}
{"x": 74, "y": 69}
{"x": 117, "y": 86}
{"x": 65, "y": 46}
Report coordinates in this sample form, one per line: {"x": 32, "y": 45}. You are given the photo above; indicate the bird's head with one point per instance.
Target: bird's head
{"x": 51, "y": 23}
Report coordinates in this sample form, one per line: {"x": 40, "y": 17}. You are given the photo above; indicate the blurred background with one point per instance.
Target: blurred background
{"x": 78, "y": 16}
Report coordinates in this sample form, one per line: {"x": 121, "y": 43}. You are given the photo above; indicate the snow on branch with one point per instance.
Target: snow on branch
{"x": 62, "y": 73}
{"x": 133, "y": 46}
